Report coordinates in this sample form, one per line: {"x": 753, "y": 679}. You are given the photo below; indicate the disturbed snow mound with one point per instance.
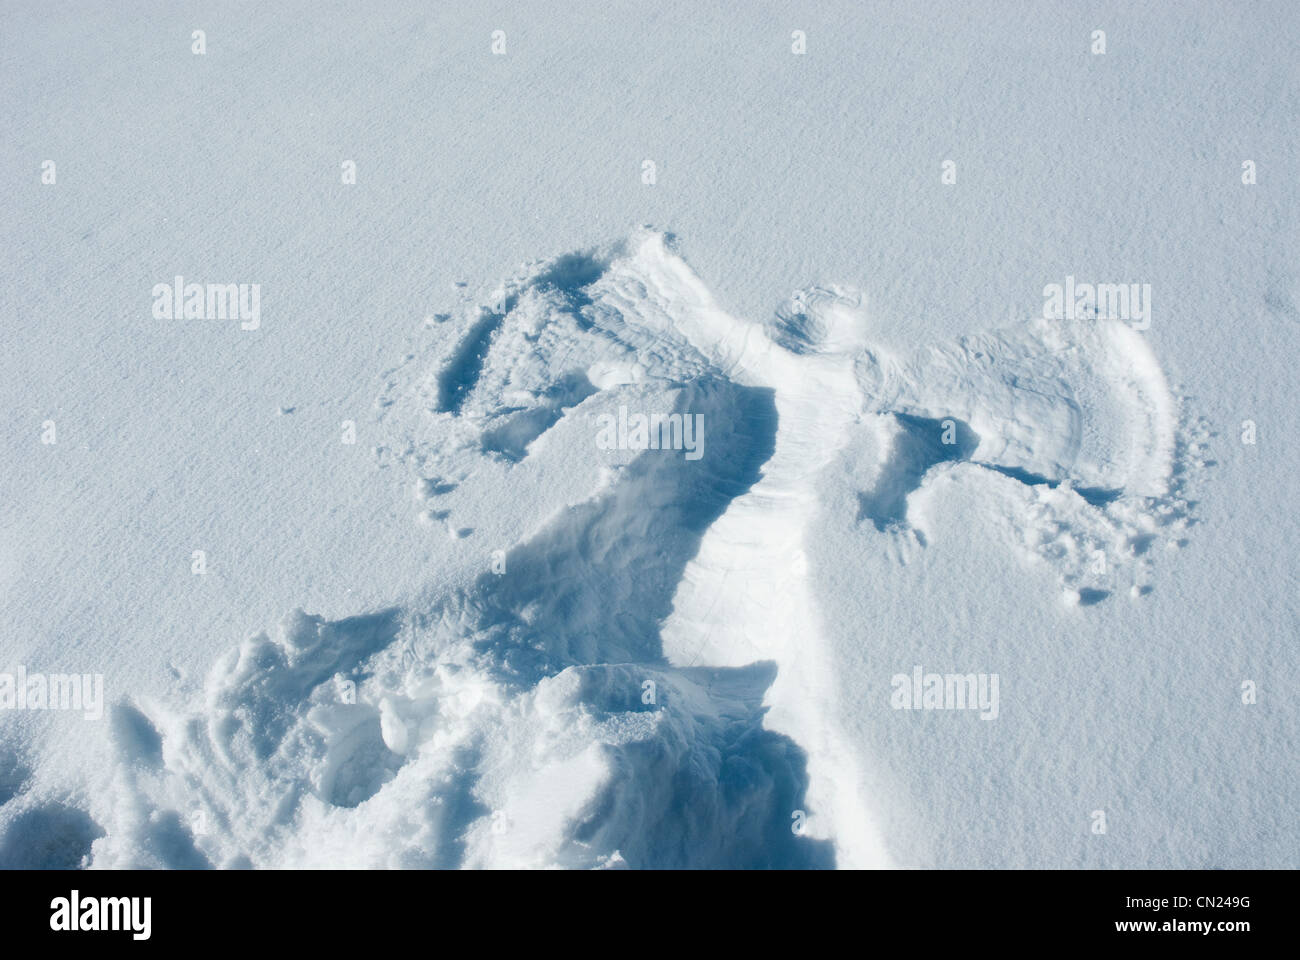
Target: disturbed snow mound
{"x": 640, "y": 679}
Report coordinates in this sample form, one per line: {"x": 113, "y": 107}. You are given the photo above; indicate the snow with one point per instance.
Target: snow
{"x": 365, "y": 588}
